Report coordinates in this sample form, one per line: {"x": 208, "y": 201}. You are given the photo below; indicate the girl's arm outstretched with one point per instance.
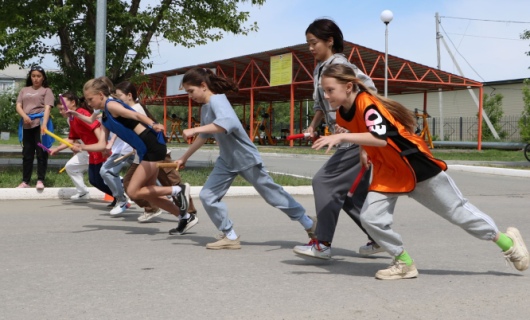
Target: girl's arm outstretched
{"x": 362, "y": 139}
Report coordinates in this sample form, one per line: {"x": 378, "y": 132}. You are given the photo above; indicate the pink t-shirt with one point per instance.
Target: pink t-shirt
{"x": 33, "y": 101}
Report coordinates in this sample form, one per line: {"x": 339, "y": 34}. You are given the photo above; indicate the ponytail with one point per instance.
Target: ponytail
{"x": 216, "y": 84}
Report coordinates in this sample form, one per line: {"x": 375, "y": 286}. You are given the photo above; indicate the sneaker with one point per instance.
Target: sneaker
{"x": 112, "y": 204}
{"x": 518, "y": 254}
{"x": 81, "y": 196}
{"x": 24, "y": 185}
{"x": 120, "y": 208}
{"x": 182, "y": 199}
{"x": 39, "y": 185}
{"x": 311, "y": 231}
{"x": 224, "y": 243}
{"x": 370, "y": 248}
{"x": 314, "y": 249}
{"x": 146, "y": 216}
{"x": 397, "y": 270}
{"x": 184, "y": 225}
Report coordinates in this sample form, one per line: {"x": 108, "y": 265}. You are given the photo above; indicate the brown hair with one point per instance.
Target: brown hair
{"x": 127, "y": 87}
{"x": 345, "y": 74}
{"x": 79, "y": 102}
{"x": 216, "y": 84}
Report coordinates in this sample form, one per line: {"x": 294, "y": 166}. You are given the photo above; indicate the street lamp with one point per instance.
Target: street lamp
{"x": 386, "y": 17}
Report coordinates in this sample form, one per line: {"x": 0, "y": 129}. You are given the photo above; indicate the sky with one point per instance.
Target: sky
{"x": 483, "y": 35}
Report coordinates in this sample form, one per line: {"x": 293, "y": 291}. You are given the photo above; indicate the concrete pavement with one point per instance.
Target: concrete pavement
{"x": 61, "y": 260}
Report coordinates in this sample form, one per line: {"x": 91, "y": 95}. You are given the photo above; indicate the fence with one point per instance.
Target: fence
{"x": 455, "y": 129}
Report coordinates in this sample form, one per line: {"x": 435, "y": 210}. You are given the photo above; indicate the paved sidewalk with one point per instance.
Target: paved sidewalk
{"x": 73, "y": 261}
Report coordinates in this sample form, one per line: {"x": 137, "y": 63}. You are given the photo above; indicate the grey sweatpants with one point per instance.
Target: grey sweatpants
{"x": 330, "y": 186}
{"x": 439, "y": 194}
{"x": 220, "y": 180}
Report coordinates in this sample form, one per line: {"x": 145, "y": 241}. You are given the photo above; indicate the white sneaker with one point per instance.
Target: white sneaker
{"x": 370, "y": 248}
{"x": 120, "y": 208}
{"x": 80, "y": 197}
{"x": 314, "y": 249}
{"x": 146, "y": 216}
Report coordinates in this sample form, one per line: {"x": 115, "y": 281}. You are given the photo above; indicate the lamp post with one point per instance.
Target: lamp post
{"x": 386, "y": 17}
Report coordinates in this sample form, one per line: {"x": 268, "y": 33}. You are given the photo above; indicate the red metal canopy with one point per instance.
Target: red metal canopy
{"x": 252, "y": 73}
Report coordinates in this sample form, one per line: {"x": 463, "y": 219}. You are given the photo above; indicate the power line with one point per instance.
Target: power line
{"x": 486, "y": 20}
{"x": 475, "y": 36}
{"x": 456, "y": 49}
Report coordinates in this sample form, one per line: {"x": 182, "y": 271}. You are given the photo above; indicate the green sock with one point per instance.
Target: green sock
{"x": 405, "y": 258}
{"x": 504, "y": 242}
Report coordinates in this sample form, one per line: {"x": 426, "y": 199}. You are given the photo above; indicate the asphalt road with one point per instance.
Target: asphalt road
{"x": 60, "y": 260}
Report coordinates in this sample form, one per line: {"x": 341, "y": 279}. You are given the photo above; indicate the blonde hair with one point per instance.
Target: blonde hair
{"x": 344, "y": 74}
{"x": 100, "y": 85}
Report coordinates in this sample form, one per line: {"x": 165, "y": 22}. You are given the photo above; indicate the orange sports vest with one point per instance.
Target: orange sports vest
{"x": 391, "y": 170}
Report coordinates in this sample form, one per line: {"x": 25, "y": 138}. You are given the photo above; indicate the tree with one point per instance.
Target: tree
{"x": 26, "y": 28}
{"x": 493, "y": 108}
{"x": 524, "y": 122}
{"x": 526, "y": 36}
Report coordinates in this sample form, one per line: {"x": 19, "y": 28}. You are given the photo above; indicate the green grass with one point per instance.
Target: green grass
{"x": 10, "y": 177}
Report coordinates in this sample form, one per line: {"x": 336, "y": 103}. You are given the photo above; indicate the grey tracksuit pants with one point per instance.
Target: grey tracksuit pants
{"x": 439, "y": 194}
{"x": 219, "y": 182}
{"x": 330, "y": 186}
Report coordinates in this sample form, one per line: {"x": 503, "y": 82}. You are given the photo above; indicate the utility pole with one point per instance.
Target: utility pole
{"x": 439, "y": 66}
{"x": 101, "y": 38}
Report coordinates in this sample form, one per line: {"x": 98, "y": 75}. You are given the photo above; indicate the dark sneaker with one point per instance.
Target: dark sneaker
{"x": 185, "y": 224}
{"x": 182, "y": 199}
{"x": 112, "y": 204}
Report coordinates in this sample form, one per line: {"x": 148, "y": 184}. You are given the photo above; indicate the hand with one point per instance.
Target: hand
{"x": 158, "y": 127}
{"x": 188, "y": 133}
{"x": 106, "y": 153}
{"x": 53, "y": 151}
{"x": 365, "y": 160}
{"x": 42, "y": 130}
{"x": 329, "y": 141}
{"x": 76, "y": 147}
{"x": 27, "y": 119}
{"x": 181, "y": 163}
{"x": 311, "y": 132}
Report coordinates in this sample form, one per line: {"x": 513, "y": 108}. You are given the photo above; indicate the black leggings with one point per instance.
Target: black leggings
{"x": 30, "y": 138}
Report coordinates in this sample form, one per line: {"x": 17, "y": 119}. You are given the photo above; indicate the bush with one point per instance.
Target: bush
{"x": 9, "y": 117}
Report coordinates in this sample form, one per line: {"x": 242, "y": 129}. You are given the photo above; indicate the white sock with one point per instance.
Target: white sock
{"x": 186, "y": 216}
{"x": 306, "y": 222}
{"x": 175, "y": 191}
{"x": 231, "y": 235}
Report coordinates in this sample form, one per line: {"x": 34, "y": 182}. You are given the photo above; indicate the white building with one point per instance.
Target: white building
{"x": 12, "y": 78}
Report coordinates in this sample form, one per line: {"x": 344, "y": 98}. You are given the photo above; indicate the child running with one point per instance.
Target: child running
{"x": 88, "y": 133}
{"x": 144, "y": 135}
{"x": 385, "y": 129}
{"x": 237, "y": 156}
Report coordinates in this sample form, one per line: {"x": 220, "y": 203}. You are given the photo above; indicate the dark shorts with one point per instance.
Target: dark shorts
{"x": 155, "y": 150}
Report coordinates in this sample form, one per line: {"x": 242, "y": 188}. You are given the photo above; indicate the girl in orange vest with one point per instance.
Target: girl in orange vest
{"x": 402, "y": 164}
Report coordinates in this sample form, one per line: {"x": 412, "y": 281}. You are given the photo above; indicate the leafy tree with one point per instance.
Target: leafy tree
{"x": 526, "y": 36}
{"x": 26, "y": 28}
{"x": 524, "y": 122}
{"x": 493, "y": 108}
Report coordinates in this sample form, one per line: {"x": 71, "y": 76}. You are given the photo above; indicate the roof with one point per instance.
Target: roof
{"x": 13, "y": 72}
{"x": 252, "y": 72}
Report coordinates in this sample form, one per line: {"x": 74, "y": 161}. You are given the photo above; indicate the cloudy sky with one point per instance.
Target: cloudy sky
{"x": 483, "y": 35}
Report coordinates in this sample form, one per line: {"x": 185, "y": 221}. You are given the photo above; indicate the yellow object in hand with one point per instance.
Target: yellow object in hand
{"x": 56, "y": 137}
